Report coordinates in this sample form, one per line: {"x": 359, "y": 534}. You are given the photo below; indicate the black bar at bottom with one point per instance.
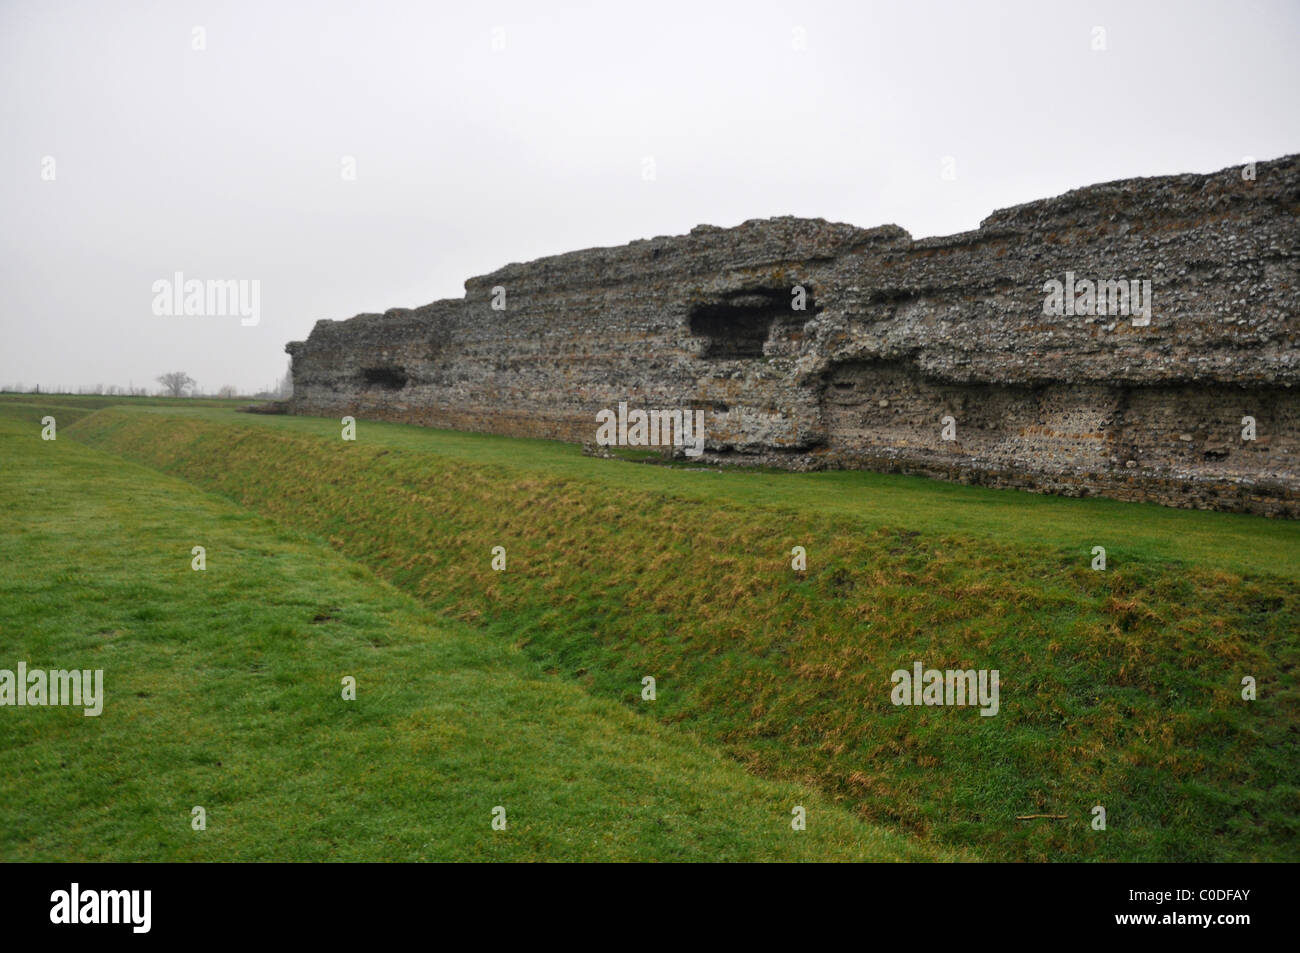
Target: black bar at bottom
{"x": 946, "y": 903}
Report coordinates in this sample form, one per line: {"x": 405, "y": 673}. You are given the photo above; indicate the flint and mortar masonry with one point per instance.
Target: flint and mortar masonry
{"x": 895, "y": 335}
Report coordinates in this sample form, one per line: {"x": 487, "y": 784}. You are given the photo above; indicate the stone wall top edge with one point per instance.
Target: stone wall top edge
{"x": 709, "y": 251}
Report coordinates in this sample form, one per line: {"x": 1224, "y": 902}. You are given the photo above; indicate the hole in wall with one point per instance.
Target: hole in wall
{"x": 737, "y": 326}
{"x": 389, "y": 378}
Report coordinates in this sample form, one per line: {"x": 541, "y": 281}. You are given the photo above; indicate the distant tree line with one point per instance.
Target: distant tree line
{"x": 171, "y": 384}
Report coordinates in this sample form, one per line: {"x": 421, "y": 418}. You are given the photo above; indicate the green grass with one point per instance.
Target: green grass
{"x": 1119, "y": 688}
{"x": 98, "y": 401}
{"x": 224, "y": 690}
{"x": 1139, "y": 532}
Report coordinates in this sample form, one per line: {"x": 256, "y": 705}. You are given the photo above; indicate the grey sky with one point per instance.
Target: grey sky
{"x": 226, "y": 163}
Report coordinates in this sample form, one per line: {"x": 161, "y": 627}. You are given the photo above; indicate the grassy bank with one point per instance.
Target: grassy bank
{"x": 223, "y": 690}
{"x": 1119, "y": 688}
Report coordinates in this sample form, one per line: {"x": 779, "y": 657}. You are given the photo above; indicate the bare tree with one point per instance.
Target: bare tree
{"x": 175, "y": 383}
{"x": 226, "y": 393}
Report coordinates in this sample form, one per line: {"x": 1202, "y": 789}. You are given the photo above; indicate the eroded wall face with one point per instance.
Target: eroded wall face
{"x": 809, "y": 344}
{"x": 1084, "y": 439}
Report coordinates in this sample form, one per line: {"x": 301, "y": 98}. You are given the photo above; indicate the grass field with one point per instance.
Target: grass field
{"x": 224, "y": 692}
{"x": 1118, "y": 688}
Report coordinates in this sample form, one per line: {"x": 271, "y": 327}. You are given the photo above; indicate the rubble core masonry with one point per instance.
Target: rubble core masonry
{"x": 810, "y": 345}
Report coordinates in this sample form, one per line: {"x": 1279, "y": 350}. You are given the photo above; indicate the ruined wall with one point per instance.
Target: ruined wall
{"x": 896, "y": 334}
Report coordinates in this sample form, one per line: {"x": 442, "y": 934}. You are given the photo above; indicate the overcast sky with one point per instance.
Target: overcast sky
{"x": 228, "y": 162}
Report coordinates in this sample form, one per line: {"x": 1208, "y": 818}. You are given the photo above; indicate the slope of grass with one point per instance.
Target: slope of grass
{"x": 98, "y": 401}
{"x": 1119, "y": 688}
{"x": 35, "y": 413}
{"x": 224, "y": 691}
{"x": 1139, "y": 532}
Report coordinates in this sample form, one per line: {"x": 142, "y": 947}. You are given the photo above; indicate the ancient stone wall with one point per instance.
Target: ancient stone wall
{"x": 895, "y": 335}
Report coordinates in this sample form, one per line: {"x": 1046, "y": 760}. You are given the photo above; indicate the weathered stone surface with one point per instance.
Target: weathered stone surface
{"x": 897, "y": 334}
